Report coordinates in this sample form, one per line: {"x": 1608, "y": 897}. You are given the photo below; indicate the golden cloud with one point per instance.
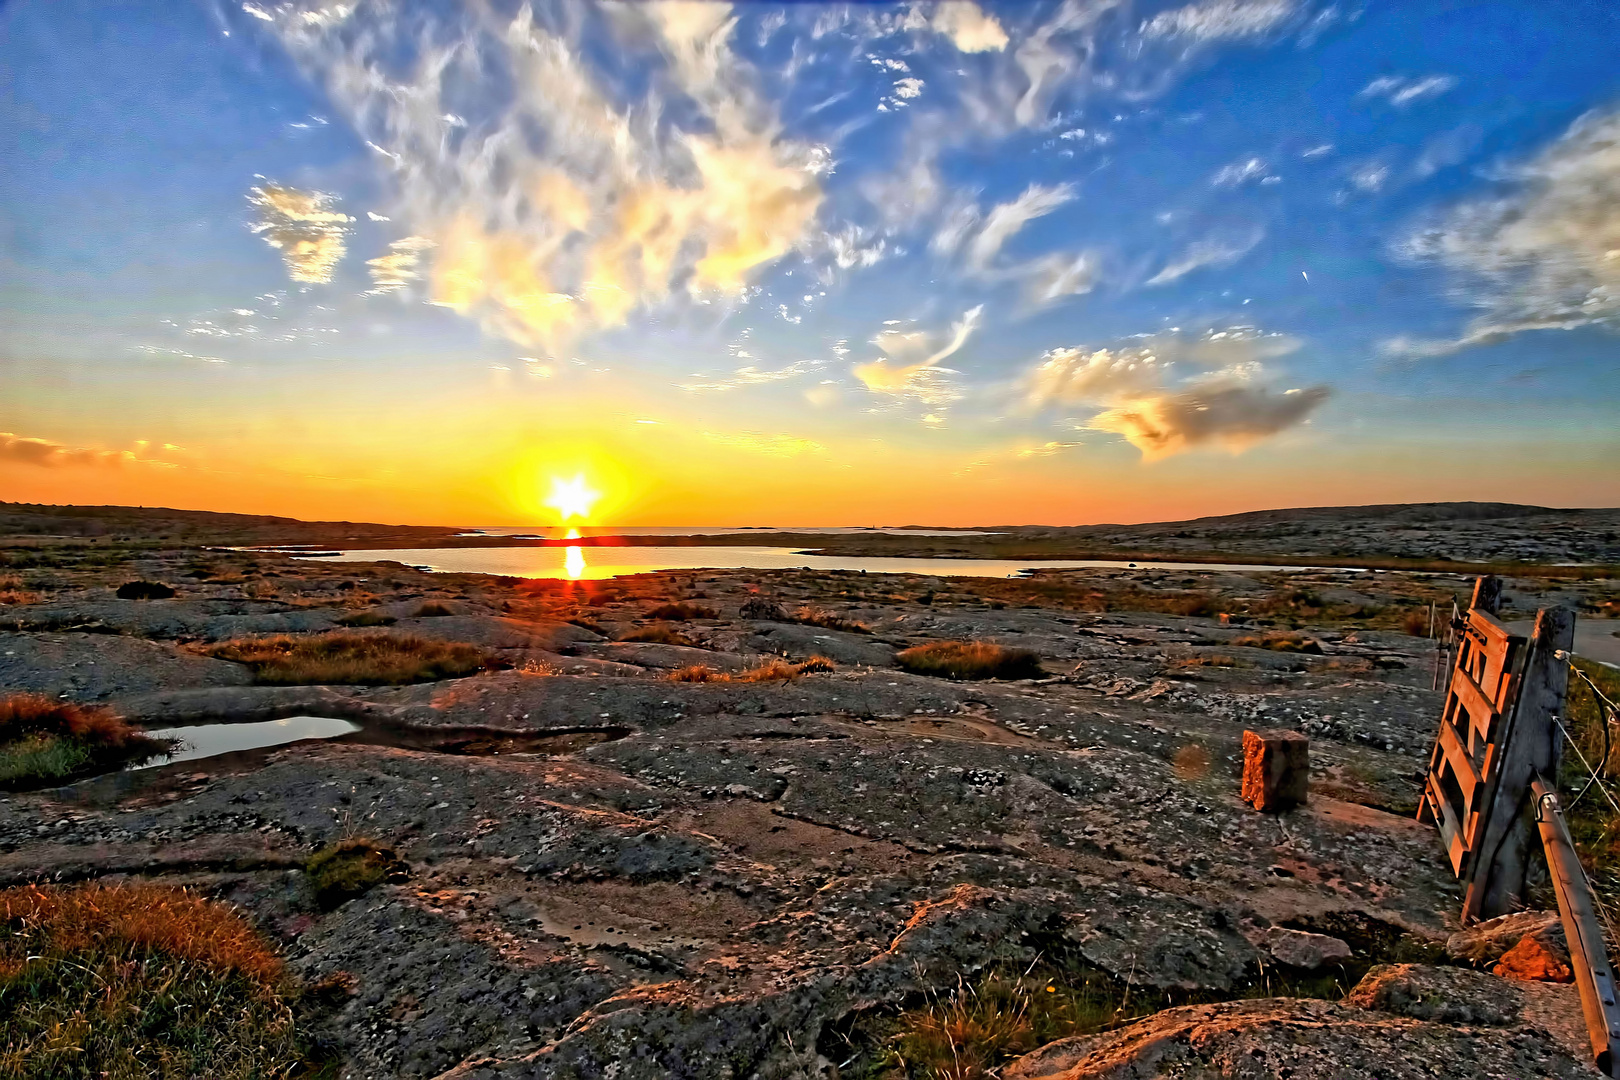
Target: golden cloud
{"x": 562, "y": 208}
{"x": 302, "y": 226}
{"x": 50, "y": 455}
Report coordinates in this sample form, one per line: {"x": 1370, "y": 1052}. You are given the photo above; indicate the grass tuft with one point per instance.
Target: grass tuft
{"x": 130, "y": 981}
{"x": 658, "y": 634}
{"x": 970, "y": 660}
{"x": 350, "y": 868}
{"x": 810, "y": 615}
{"x": 770, "y": 671}
{"x": 432, "y": 610}
{"x": 46, "y": 741}
{"x": 1285, "y": 643}
{"x": 365, "y": 659}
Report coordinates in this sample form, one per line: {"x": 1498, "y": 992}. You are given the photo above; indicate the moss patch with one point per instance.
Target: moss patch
{"x": 350, "y": 868}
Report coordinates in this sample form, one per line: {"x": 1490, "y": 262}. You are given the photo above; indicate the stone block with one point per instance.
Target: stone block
{"x": 1276, "y": 770}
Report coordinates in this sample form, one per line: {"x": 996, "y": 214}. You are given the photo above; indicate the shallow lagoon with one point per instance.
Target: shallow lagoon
{"x": 593, "y": 563}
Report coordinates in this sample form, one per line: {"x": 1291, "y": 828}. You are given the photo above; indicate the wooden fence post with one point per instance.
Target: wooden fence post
{"x": 1532, "y": 745}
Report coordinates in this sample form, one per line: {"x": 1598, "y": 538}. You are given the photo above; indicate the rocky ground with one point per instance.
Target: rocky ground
{"x": 612, "y": 873}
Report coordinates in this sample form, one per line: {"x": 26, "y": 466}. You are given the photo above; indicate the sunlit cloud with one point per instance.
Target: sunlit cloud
{"x": 398, "y": 268}
{"x": 914, "y": 354}
{"x": 51, "y": 455}
{"x": 1171, "y": 392}
{"x": 1546, "y": 256}
{"x": 968, "y": 27}
{"x": 751, "y": 375}
{"x": 302, "y": 226}
{"x": 558, "y": 200}
{"x": 1224, "y": 412}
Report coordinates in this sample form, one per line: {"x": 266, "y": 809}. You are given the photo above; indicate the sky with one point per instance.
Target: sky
{"x": 808, "y": 264}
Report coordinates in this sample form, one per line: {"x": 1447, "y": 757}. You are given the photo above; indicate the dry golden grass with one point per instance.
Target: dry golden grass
{"x": 342, "y": 657}
{"x": 810, "y": 615}
{"x": 1211, "y": 660}
{"x": 432, "y": 609}
{"x": 970, "y": 660}
{"x": 658, "y": 634}
{"x": 44, "y": 740}
{"x": 770, "y": 671}
{"x": 1285, "y": 643}
{"x": 132, "y": 981}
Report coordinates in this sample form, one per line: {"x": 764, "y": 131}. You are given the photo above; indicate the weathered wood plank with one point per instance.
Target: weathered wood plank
{"x": 1530, "y": 745}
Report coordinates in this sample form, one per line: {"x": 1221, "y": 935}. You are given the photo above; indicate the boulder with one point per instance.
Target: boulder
{"x": 1300, "y": 949}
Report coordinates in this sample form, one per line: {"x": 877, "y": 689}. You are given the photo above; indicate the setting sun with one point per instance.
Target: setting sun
{"x": 572, "y": 498}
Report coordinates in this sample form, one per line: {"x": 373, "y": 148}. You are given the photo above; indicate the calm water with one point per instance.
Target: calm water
{"x": 211, "y": 740}
{"x": 593, "y": 563}
{"x": 710, "y": 530}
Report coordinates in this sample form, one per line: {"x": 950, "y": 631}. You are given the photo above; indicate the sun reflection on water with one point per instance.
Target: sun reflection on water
{"x": 574, "y": 562}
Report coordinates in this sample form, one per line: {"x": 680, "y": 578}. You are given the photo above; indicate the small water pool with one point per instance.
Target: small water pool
{"x": 211, "y": 740}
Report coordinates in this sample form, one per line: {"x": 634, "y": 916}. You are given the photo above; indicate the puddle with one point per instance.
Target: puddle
{"x": 212, "y": 740}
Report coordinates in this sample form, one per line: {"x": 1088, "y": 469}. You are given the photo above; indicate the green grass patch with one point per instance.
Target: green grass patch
{"x": 135, "y": 981}
{"x": 46, "y": 741}
{"x": 970, "y": 660}
{"x": 364, "y": 659}
{"x": 350, "y": 868}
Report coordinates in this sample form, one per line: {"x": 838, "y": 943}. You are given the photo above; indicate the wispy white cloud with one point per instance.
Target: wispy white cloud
{"x": 1545, "y": 256}
{"x": 1219, "y": 20}
{"x": 909, "y": 366}
{"x": 304, "y": 227}
{"x": 1401, "y": 90}
{"x": 1220, "y": 250}
{"x": 1240, "y": 172}
{"x": 752, "y": 375}
{"x": 1006, "y": 219}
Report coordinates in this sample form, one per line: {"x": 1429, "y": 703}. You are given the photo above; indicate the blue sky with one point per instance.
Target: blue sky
{"x": 1199, "y": 252}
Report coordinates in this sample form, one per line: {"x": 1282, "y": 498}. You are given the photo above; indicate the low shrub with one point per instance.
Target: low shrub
{"x": 432, "y": 610}
{"x": 350, "y": 868}
{"x": 46, "y": 741}
{"x": 681, "y": 612}
{"x": 1415, "y": 622}
{"x": 828, "y": 620}
{"x": 1284, "y": 643}
{"x": 140, "y": 980}
{"x": 658, "y": 634}
{"x": 970, "y": 660}
{"x": 770, "y": 671}
{"x": 144, "y": 590}
{"x": 364, "y": 659}
{"x": 758, "y": 607}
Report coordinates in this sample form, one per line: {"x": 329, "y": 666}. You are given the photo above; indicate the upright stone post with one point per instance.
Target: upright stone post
{"x": 1276, "y": 770}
